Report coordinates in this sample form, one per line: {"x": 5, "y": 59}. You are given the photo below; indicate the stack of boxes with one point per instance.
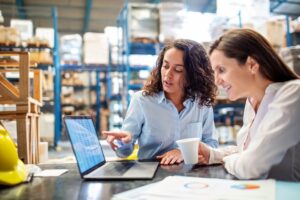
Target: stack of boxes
{"x": 95, "y": 49}
{"x": 274, "y": 31}
{"x": 70, "y": 49}
{"x": 114, "y": 36}
{"x": 24, "y": 26}
{"x": 143, "y": 23}
{"x": 170, "y": 15}
{"x": 9, "y": 36}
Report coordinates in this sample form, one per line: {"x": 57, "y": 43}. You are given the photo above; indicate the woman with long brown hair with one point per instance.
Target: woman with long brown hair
{"x": 175, "y": 103}
{"x": 268, "y": 144}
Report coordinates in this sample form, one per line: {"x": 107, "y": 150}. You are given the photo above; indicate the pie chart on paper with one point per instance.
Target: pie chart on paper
{"x": 195, "y": 185}
{"x": 245, "y": 186}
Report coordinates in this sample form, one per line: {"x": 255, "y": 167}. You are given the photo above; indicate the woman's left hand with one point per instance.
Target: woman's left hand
{"x": 170, "y": 157}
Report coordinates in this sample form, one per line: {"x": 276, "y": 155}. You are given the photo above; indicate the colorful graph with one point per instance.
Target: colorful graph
{"x": 245, "y": 186}
{"x": 195, "y": 185}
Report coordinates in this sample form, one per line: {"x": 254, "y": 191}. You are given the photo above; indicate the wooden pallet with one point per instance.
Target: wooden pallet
{"x": 27, "y": 108}
{"x": 11, "y": 63}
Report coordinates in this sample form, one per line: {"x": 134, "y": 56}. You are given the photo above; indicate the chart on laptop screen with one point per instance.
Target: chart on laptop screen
{"x": 85, "y": 143}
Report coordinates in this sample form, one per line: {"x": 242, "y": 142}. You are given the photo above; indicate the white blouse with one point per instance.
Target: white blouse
{"x": 274, "y": 131}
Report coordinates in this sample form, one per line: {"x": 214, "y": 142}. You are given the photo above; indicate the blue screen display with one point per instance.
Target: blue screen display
{"x": 85, "y": 143}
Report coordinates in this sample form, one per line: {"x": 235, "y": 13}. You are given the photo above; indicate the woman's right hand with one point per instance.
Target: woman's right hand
{"x": 112, "y": 136}
{"x": 203, "y": 154}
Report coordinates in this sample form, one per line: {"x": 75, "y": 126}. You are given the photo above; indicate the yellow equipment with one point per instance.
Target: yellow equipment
{"x": 133, "y": 155}
{"x": 12, "y": 169}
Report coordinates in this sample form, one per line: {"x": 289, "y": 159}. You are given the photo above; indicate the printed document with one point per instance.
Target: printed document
{"x": 182, "y": 187}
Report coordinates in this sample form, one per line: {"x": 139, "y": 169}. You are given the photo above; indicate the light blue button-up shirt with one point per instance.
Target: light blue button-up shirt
{"x": 155, "y": 122}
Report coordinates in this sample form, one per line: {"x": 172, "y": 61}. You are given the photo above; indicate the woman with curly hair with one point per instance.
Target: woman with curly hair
{"x": 175, "y": 103}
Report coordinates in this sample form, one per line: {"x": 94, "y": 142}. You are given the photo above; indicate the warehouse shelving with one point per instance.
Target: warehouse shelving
{"x": 102, "y": 74}
{"x": 96, "y": 69}
{"x": 127, "y": 47}
{"x": 289, "y": 9}
{"x": 130, "y": 47}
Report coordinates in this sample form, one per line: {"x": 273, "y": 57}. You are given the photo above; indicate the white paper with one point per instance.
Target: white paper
{"x": 136, "y": 193}
{"x": 180, "y": 187}
{"x": 51, "y": 172}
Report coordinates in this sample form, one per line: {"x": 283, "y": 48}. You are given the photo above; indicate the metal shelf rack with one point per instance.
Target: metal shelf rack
{"x": 128, "y": 48}
{"x": 101, "y": 68}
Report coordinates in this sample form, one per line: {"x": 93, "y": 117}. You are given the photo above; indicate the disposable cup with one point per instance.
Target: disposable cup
{"x": 189, "y": 149}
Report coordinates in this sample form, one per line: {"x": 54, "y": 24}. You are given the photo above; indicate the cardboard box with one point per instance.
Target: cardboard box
{"x": 45, "y": 34}
{"x": 71, "y": 49}
{"x": 96, "y": 48}
{"x": 274, "y": 31}
{"x": 24, "y": 26}
{"x": 9, "y": 36}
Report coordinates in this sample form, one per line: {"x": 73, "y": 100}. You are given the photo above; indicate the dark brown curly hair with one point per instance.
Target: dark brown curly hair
{"x": 200, "y": 85}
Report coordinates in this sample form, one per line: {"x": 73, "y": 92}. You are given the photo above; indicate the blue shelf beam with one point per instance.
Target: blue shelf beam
{"x": 57, "y": 80}
{"x": 82, "y": 87}
{"x": 139, "y": 68}
{"x": 117, "y": 68}
{"x": 288, "y": 34}
{"x": 102, "y": 68}
{"x": 87, "y": 14}
{"x": 108, "y": 75}
{"x": 21, "y": 9}
{"x": 127, "y": 46}
{"x": 22, "y": 48}
{"x": 142, "y": 48}
{"x": 135, "y": 86}
{"x": 276, "y": 5}
{"x": 98, "y": 103}
{"x": 240, "y": 19}
{"x": 208, "y": 6}
{"x": 117, "y": 97}
{"x": 94, "y": 106}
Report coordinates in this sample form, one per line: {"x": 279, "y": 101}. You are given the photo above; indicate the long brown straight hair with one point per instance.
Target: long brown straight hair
{"x": 241, "y": 43}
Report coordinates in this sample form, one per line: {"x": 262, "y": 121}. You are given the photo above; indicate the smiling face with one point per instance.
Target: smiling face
{"x": 236, "y": 79}
{"x": 173, "y": 73}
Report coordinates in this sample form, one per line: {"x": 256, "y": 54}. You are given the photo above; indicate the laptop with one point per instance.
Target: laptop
{"x": 90, "y": 157}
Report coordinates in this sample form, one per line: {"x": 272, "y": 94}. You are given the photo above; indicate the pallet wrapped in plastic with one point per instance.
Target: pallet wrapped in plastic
{"x": 171, "y": 15}
{"x": 143, "y": 22}
{"x": 70, "y": 49}
{"x": 9, "y": 36}
{"x": 95, "y": 49}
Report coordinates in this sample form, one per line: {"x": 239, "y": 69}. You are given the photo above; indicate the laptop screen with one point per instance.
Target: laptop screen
{"x": 85, "y": 143}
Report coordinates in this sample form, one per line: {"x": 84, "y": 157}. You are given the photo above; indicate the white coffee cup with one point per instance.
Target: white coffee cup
{"x": 189, "y": 149}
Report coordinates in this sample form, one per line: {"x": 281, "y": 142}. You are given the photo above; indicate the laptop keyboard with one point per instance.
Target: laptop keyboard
{"x": 115, "y": 168}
